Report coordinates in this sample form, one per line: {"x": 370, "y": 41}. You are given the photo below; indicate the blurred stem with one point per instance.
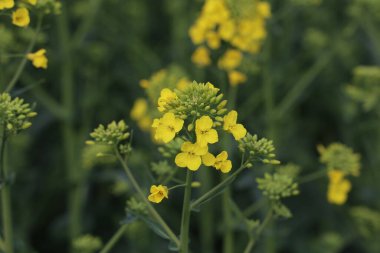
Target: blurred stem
{"x": 212, "y": 193}
{"x": 185, "y": 221}
{"x": 254, "y": 207}
{"x": 252, "y": 240}
{"x": 68, "y": 131}
{"x": 5, "y": 197}
{"x": 22, "y": 64}
{"x": 312, "y": 176}
{"x": 293, "y": 96}
{"x": 155, "y": 215}
{"x": 114, "y": 239}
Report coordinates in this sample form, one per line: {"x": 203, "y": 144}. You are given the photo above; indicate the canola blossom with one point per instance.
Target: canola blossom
{"x": 158, "y": 193}
{"x": 230, "y": 125}
{"x": 39, "y": 59}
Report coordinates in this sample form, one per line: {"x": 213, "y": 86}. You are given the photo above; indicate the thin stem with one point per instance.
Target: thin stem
{"x": 312, "y": 176}
{"x": 185, "y": 221}
{"x": 22, "y": 64}
{"x": 151, "y": 209}
{"x": 195, "y": 204}
{"x": 252, "y": 240}
{"x": 5, "y": 198}
{"x": 254, "y": 207}
{"x": 114, "y": 239}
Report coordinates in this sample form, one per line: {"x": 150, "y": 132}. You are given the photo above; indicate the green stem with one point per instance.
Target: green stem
{"x": 5, "y": 198}
{"x": 228, "y": 239}
{"x": 185, "y": 222}
{"x": 212, "y": 193}
{"x": 312, "y": 176}
{"x": 114, "y": 239}
{"x": 252, "y": 240}
{"x": 22, "y": 64}
{"x": 155, "y": 215}
{"x": 74, "y": 172}
{"x": 254, "y": 207}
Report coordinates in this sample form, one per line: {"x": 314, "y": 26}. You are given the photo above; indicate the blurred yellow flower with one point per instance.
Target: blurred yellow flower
{"x": 226, "y": 30}
{"x": 158, "y": 193}
{"x": 139, "y": 109}
{"x": 191, "y": 156}
{"x": 263, "y": 9}
{"x": 338, "y": 188}
{"x": 230, "y": 60}
{"x": 237, "y": 130}
{"x": 213, "y": 40}
{"x": 165, "y": 97}
{"x": 38, "y": 59}
{"x": 6, "y": 4}
{"x": 32, "y": 2}
{"x": 204, "y": 131}
{"x": 20, "y": 17}
{"x": 236, "y": 77}
{"x": 201, "y": 56}
{"x": 166, "y": 127}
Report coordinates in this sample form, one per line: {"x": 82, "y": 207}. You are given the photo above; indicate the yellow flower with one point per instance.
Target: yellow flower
{"x": 197, "y": 34}
{"x": 167, "y": 127}
{"x": 337, "y": 192}
{"x": 32, "y": 2}
{"x": 139, "y": 109}
{"x": 20, "y": 17}
{"x": 220, "y": 162}
{"x": 213, "y": 40}
{"x": 144, "y": 84}
{"x": 166, "y": 96}
{"x": 237, "y": 130}
{"x": 6, "y": 4}
{"x": 182, "y": 83}
{"x": 158, "y": 193}
{"x": 38, "y": 59}
{"x": 205, "y": 133}
{"x": 236, "y": 77}
{"x": 201, "y": 56}
{"x": 191, "y": 156}
{"x": 335, "y": 176}
{"x": 145, "y": 123}
{"x": 263, "y": 9}
{"x": 230, "y": 60}
{"x": 227, "y": 30}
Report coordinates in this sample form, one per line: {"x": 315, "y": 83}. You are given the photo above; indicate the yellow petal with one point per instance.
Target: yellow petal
{"x": 181, "y": 160}
{"x": 208, "y": 159}
{"x": 230, "y": 120}
{"x": 226, "y": 166}
{"x": 238, "y": 131}
{"x": 194, "y": 162}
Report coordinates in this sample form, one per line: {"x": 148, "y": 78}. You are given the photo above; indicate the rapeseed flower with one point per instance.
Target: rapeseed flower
{"x": 20, "y": 17}
{"x": 38, "y": 59}
{"x": 230, "y": 125}
{"x": 158, "y": 193}
{"x": 166, "y": 96}
{"x": 236, "y": 77}
{"x": 167, "y": 127}
{"x": 204, "y": 131}
{"x": 6, "y": 4}
{"x": 201, "y": 56}
{"x": 230, "y": 60}
{"x": 220, "y": 162}
{"x": 338, "y": 188}
{"x": 191, "y": 156}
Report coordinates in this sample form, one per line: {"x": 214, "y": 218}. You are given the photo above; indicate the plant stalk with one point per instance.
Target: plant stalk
{"x": 6, "y": 198}
{"x": 185, "y": 222}
{"x": 114, "y": 239}
{"x": 155, "y": 215}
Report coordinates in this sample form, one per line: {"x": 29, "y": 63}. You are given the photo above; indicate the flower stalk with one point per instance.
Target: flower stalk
{"x": 185, "y": 222}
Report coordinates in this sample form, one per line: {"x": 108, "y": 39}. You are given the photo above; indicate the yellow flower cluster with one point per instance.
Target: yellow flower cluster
{"x": 338, "y": 187}
{"x": 241, "y": 25}
{"x": 194, "y": 151}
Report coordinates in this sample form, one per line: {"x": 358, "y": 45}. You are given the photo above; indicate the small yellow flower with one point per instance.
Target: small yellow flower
{"x": 230, "y": 60}
{"x": 201, "y": 56}
{"x": 38, "y": 59}
{"x": 144, "y": 83}
{"x": 32, "y": 2}
{"x": 167, "y": 127}
{"x": 182, "y": 83}
{"x": 237, "y": 130}
{"x": 197, "y": 34}
{"x": 335, "y": 176}
{"x": 20, "y": 17}
{"x": 139, "y": 109}
{"x": 236, "y": 77}
{"x": 227, "y": 30}
{"x": 191, "y": 156}
{"x": 6, "y": 4}
{"x": 337, "y": 192}
{"x": 204, "y": 131}
{"x": 263, "y": 9}
{"x": 220, "y": 162}
{"x": 213, "y": 40}
{"x": 158, "y": 193}
{"x": 166, "y": 96}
